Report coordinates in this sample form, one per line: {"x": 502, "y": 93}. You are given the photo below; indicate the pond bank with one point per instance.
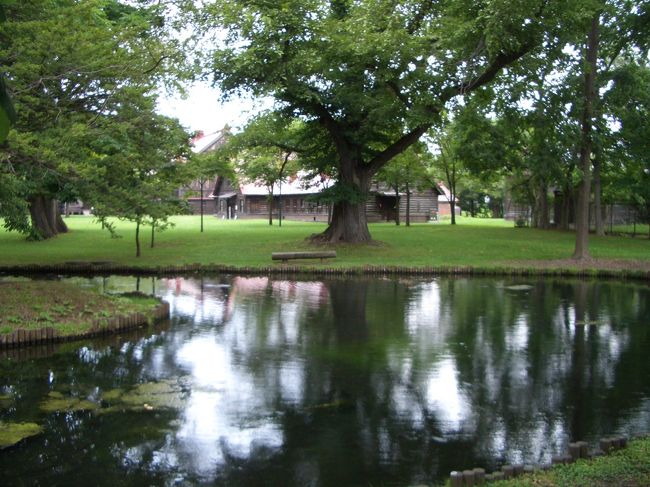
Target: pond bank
{"x": 41, "y": 312}
{"x": 628, "y": 467}
{"x": 618, "y": 269}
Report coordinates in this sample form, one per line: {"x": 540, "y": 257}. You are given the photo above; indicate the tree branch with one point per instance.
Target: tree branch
{"x": 396, "y": 148}
{"x": 501, "y": 61}
{"x": 156, "y": 64}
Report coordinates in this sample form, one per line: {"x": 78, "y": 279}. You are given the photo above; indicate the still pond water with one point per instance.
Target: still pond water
{"x": 263, "y": 382}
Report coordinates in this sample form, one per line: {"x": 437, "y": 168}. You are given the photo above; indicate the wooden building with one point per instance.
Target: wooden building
{"x": 194, "y": 193}
{"x": 294, "y": 199}
{"x": 383, "y": 204}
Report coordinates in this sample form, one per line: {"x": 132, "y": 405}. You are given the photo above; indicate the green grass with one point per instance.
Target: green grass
{"x": 32, "y": 305}
{"x": 641, "y": 230}
{"x": 473, "y": 242}
{"x": 629, "y": 467}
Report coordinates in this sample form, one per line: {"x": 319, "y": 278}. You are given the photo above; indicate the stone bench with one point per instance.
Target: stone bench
{"x": 286, "y": 256}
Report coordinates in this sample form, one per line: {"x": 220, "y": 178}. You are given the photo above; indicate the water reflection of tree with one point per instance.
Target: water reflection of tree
{"x": 368, "y": 360}
{"x": 544, "y": 392}
{"x": 411, "y": 379}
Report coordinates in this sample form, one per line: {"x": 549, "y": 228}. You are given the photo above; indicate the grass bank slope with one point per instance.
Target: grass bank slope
{"x": 629, "y": 467}
{"x": 68, "y": 309}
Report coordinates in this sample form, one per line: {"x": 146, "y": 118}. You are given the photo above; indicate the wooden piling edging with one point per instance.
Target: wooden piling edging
{"x": 469, "y": 477}
{"x": 21, "y": 337}
{"x": 456, "y": 479}
{"x": 107, "y": 267}
{"x": 577, "y": 450}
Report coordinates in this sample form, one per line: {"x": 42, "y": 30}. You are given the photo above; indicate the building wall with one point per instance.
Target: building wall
{"x": 424, "y": 205}
{"x": 444, "y": 208}
{"x": 380, "y": 206}
{"x": 294, "y": 207}
{"x": 209, "y": 206}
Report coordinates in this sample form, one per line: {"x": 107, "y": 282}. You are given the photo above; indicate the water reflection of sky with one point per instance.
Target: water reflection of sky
{"x": 232, "y": 409}
{"x": 230, "y": 412}
{"x": 408, "y": 371}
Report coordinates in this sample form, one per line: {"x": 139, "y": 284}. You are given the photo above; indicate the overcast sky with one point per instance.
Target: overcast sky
{"x": 203, "y": 110}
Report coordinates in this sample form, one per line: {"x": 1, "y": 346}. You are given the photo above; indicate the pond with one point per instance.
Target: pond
{"x": 259, "y": 381}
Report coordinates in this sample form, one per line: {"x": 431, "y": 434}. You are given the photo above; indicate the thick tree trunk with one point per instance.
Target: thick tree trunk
{"x": 565, "y": 209}
{"x": 45, "y": 217}
{"x": 542, "y": 210}
{"x": 61, "y": 226}
{"x": 39, "y": 214}
{"x": 348, "y": 221}
{"x": 349, "y": 224}
{"x": 582, "y": 211}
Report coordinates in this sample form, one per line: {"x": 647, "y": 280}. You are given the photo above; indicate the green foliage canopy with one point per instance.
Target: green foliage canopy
{"x": 72, "y": 67}
{"x": 369, "y": 78}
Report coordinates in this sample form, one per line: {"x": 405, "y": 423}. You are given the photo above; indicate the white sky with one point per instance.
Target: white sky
{"x": 202, "y": 109}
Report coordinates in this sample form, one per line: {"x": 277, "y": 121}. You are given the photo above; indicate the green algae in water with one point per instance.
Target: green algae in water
{"x": 112, "y": 395}
{"x": 12, "y": 433}
{"x": 57, "y": 402}
{"x": 166, "y": 394}
{"x": 6, "y": 400}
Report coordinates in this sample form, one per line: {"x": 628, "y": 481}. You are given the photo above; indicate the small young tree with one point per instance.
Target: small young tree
{"x": 204, "y": 167}
{"x": 135, "y": 166}
{"x": 266, "y": 152}
{"x": 269, "y": 167}
{"x": 447, "y": 164}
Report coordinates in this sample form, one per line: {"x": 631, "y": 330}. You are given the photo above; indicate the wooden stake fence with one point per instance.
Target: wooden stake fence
{"x": 577, "y": 450}
{"x": 99, "y": 327}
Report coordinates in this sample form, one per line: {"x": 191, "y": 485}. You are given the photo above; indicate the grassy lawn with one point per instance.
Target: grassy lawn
{"x": 640, "y": 229}
{"x": 32, "y": 305}
{"x": 629, "y": 467}
{"x": 473, "y": 242}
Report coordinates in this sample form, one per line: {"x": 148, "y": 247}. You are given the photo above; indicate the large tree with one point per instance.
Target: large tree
{"x": 7, "y": 113}
{"x": 370, "y": 78}
{"x": 628, "y": 150}
{"x": 65, "y": 63}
